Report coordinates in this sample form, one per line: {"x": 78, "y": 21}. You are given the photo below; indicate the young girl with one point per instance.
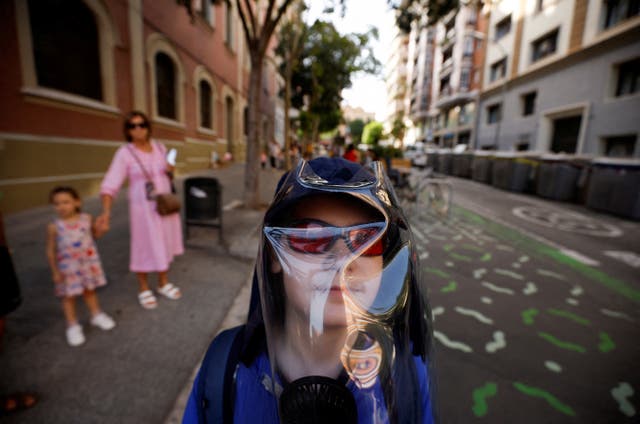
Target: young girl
{"x": 74, "y": 261}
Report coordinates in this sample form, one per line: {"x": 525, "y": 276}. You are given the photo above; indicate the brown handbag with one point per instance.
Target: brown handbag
{"x": 166, "y": 203}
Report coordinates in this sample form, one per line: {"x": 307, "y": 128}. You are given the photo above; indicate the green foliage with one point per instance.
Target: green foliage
{"x": 324, "y": 67}
{"x": 398, "y": 129}
{"x": 355, "y": 129}
{"x": 372, "y": 132}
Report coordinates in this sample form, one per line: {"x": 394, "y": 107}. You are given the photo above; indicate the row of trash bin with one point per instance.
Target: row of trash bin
{"x": 602, "y": 183}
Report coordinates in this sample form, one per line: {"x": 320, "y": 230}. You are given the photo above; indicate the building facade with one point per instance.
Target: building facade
{"x": 73, "y": 69}
{"x": 562, "y": 76}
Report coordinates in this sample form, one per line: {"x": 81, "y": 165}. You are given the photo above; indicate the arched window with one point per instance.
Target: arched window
{"x": 165, "y": 86}
{"x": 66, "y": 48}
{"x": 205, "y": 105}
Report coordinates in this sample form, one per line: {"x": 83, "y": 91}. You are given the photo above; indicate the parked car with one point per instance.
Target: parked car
{"x": 416, "y": 154}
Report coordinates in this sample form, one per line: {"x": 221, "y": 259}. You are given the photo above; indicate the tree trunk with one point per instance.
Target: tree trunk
{"x": 252, "y": 164}
{"x": 287, "y": 123}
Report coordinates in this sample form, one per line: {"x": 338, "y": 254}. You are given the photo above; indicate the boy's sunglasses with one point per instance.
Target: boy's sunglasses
{"x": 317, "y": 237}
{"x": 132, "y": 125}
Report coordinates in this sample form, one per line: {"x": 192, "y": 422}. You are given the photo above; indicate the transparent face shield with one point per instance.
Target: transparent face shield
{"x": 334, "y": 290}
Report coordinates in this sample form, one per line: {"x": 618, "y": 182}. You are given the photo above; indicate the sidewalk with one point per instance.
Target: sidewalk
{"x": 143, "y": 369}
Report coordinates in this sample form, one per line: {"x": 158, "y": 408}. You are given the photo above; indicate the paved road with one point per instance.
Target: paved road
{"x": 526, "y": 332}
{"x": 134, "y": 373}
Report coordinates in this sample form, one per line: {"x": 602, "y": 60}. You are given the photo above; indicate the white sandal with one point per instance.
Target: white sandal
{"x": 147, "y": 299}
{"x": 170, "y": 291}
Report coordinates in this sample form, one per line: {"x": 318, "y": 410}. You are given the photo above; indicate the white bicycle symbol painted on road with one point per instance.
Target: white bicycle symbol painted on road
{"x": 566, "y": 221}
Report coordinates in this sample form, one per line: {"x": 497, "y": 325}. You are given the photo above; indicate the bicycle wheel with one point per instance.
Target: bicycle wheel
{"x": 435, "y": 198}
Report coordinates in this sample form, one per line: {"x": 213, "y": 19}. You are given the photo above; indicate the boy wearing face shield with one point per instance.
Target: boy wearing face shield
{"x": 341, "y": 330}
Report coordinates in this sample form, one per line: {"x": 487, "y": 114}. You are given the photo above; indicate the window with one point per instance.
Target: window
{"x": 616, "y": 11}
{"x": 498, "y": 70}
{"x": 205, "y": 11}
{"x": 544, "y": 46}
{"x": 446, "y": 55}
{"x": 494, "y": 113}
{"x": 205, "y": 105}
{"x": 445, "y": 88}
{"x": 620, "y": 146}
{"x": 165, "y": 86}
{"x": 628, "y": 78}
{"x": 529, "y": 103}
{"x": 465, "y": 78}
{"x": 228, "y": 20}
{"x": 66, "y": 47}
{"x": 503, "y": 28}
{"x": 468, "y": 46}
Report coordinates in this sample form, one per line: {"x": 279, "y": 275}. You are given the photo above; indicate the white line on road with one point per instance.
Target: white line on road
{"x": 475, "y": 314}
{"x": 450, "y": 343}
{"x": 497, "y": 288}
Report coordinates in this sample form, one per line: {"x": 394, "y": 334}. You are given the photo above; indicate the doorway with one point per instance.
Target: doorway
{"x": 565, "y": 134}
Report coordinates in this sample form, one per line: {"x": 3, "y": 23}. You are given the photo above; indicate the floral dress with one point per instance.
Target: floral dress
{"x": 77, "y": 257}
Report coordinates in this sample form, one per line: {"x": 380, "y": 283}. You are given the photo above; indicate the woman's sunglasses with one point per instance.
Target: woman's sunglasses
{"x": 317, "y": 237}
{"x": 132, "y": 125}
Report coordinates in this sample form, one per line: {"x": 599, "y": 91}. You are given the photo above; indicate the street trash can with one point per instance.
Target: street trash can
{"x": 557, "y": 177}
{"x": 432, "y": 159}
{"x": 614, "y": 187}
{"x": 203, "y": 203}
{"x": 445, "y": 158}
{"x": 513, "y": 171}
{"x": 461, "y": 164}
{"x": 481, "y": 165}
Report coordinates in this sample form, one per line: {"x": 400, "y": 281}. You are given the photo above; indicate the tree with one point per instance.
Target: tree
{"x": 326, "y": 66}
{"x": 398, "y": 129}
{"x": 355, "y": 129}
{"x": 291, "y": 40}
{"x": 259, "y": 21}
{"x": 372, "y": 132}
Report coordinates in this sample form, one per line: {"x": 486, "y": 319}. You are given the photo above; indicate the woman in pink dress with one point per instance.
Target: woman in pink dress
{"x": 155, "y": 239}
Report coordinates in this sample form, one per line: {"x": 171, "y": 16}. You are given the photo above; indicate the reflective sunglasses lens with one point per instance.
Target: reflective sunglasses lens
{"x": 310, "y": 244}
{"x": 361, "y": 236}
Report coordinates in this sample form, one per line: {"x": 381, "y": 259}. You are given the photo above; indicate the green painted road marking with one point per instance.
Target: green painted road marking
{"x": 528, "y": 315}
{"x": 588, "y": 272}
{"x": 486, "y": 257}
{"x": 563, "y": 345}
{"x": 566, "y": 314}
{"x": 437, "y": 272}
{"x": 480, "y": 396}
{"x": 452, "y": 286}
{"x": 472, "y": 247}
{"x": 551, "y": 400}
{"x": 459, "y": 257}
{"x": 606, "y": 344}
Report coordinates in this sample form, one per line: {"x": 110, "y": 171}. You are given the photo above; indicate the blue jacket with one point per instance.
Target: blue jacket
{"x": 255, "y": 403}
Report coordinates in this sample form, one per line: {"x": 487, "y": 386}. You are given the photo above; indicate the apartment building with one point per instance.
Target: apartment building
{"x": 458, "y": 55}
{"x": 72, "y": 69}
{"x": 396, "y": 79}
{"x": 562, "y": 76}
{"x": 419, "y": 74}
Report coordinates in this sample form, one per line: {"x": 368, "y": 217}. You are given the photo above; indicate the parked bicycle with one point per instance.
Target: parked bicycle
{"x": 425, "y": 192}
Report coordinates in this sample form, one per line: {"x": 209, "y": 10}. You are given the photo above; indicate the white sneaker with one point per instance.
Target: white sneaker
{"x": 103, "y": 321}
{"x": 75, "y": 336}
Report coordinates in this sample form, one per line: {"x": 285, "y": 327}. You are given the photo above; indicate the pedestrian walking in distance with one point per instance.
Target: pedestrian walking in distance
{"x": 75, "y": 264}
{"x": 155, "y": 238}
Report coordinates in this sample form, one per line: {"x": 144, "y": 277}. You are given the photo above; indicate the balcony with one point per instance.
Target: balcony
{"x": 450, "y": 97}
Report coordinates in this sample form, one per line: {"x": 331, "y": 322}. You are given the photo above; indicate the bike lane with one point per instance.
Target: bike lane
{"x": 525, "y": 333}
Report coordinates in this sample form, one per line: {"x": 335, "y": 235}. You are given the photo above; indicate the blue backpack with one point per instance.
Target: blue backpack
{"x": 217, "y": 377}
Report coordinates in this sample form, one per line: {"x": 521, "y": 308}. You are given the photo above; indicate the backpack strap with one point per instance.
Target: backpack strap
{"x": 215, "y": 383}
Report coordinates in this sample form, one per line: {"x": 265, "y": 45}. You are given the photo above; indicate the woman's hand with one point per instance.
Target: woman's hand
{"x": 102, "y": 224}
